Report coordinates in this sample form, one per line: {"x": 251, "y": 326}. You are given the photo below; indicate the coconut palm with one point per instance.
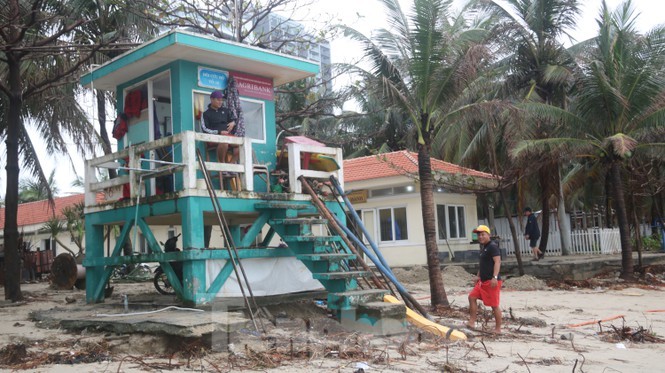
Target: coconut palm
{"x": 539, "y": 69}
{"x": 619, "y": 108}
{"x": 112, "y": 21}
{"x": 37, "y": 69}
{"x": 420, "y": 67}
{"x": 31, "y": 190}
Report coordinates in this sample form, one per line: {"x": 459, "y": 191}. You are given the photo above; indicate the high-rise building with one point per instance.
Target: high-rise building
{"x": 290, "y": 37}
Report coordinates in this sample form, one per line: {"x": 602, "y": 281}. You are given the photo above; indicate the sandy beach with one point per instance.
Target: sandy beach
{"x": 538, "y": 336}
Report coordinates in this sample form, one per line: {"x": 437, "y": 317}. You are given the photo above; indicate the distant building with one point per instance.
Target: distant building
{"x": 386, "y": 196}
{"x": 290, "y": 37}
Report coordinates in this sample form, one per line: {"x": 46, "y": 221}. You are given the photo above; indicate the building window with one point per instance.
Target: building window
{"x": 48, "y": 244}
{"x": 451, "y": 221}
{"x": 253, "y": 112}
{"x": 392, "y": 224}
{"x": 441, "y": 220}
{"x": 405, "y": 189}
{"x": 143, "y": 247}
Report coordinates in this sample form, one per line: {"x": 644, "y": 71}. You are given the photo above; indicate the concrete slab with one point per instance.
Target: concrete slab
{"x": 165, "y": 321}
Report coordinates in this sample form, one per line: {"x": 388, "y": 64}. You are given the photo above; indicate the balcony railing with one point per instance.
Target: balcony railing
{"x": 140, "y": 163}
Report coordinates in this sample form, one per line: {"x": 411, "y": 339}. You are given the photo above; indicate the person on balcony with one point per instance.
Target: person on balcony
{"x": 219, "y": 120}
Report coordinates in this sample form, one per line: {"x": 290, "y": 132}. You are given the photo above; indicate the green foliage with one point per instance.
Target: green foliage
{"x": 652, "y": 243}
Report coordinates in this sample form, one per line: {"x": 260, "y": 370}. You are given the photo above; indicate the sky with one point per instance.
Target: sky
{"x": 364, "y": 15}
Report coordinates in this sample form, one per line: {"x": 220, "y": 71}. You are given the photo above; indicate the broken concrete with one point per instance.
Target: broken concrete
{"x": 174, "y": 322}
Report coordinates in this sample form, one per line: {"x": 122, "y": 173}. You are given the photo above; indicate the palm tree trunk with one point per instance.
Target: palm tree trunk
{"x": 564, "y": 222}
{"x": 14, "y": 123}
{"x": 545, "y": 202}
{"x": 437, "y": 290}
{"x": 101, "y": 115}
{"x": 638, "y": 234}
{"x": 624, "y": 231}
{"x": 513, "y": 233}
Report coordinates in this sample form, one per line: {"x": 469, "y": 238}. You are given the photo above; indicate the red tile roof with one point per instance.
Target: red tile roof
{"x": 399, "y": 163}
{"x": 39, "y": 212}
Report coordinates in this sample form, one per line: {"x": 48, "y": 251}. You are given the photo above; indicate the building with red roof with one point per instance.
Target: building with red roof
{"x": 384, "y": 189}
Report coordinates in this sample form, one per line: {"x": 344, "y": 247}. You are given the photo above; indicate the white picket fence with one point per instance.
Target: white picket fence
{"x": 591, "y": 241}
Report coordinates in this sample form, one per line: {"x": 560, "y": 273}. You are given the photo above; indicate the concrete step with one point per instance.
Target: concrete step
{"x": 352, "y": 298}
{"x": 377, "y": 318}
{"x": 315, "y": 239}
{"x": 324, "y": 257}
{"x": 297, "y": 221}
{"x": 340, "y": 275}
{"x": 282, "y": 205}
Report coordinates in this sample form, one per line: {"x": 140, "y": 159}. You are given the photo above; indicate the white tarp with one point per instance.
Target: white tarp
{"x": 267, "y": 276}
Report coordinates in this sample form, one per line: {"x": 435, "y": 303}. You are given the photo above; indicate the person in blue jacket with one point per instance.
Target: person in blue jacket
{"x": 532, "y": 233}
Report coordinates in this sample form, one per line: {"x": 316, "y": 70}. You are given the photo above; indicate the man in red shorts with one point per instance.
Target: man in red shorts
{"x": 488, "y": 283}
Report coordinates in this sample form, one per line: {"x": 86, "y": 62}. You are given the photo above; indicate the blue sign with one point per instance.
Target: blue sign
{"x": 215, "y": 79}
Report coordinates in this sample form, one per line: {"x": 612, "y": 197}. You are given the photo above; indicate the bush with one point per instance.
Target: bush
{"x": 651, "y": 243}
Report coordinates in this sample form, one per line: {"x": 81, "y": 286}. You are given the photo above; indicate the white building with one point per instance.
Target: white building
{"x": 386, "y": 195}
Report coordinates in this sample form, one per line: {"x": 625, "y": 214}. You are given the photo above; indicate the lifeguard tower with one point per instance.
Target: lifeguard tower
{"x": 162, "y": 87}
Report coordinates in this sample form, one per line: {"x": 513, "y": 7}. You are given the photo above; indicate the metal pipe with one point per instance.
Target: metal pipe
{"x": 379, "y": 261}
{"x": 230, "y": 247}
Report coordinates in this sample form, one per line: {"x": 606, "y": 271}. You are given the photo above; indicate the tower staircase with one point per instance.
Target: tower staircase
{"x": 355, "y": 294}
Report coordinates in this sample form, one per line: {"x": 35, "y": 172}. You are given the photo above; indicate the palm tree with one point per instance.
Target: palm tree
{"x": 539, "y": 69}
{"x": 37, "y": 66}
{"x": 619, "y": 108}
{"x": 420, "y": 67}
{"x": 31, "y": 190}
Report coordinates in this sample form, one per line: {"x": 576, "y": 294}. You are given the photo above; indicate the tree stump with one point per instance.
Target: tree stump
{"x": 63, "y": 271}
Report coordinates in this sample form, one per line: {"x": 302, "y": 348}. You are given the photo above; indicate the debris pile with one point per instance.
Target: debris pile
{"x": 457, "y": 276}
{"x": 411, "y": 275}
{"x": 526, "y": 282}
{"x": 626, "y": 333}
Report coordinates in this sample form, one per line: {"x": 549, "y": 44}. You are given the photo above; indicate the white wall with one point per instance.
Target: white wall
{"x": 412, "y": 251}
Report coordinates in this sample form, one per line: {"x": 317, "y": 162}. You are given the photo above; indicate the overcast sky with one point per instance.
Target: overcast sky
{"x": 366, "y": 15}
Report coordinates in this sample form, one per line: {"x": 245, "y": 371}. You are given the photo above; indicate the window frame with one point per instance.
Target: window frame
{"x": 197, "y": 122}
{"x": 461, "y": 233}
{"x": 392, "y": 227}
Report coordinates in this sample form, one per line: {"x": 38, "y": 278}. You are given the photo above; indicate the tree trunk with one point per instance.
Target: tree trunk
{"x": 513, "y": 233}
{"x": 101, "y": 115}
{"x": 14, "y": 123}
{"x": 564, "y": 222}
{"x": 609, "y": 220}
{"x": 638, "y": 234}
{"x": 545, "y": 202}
{"x": 437, "y": 290}
{"x": 622, "y": 218}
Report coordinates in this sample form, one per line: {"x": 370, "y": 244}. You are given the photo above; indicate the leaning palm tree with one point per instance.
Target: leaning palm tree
{"x": 31, "y": 190}
{"x": 618, "y": 110}
{"x": 420, "y": 67}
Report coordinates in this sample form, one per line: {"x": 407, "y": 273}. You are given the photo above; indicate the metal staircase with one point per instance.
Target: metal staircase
{"x": 355, "y": 293}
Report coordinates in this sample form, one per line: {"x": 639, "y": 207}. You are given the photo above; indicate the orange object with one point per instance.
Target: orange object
{"x": 595, "y": 321}
{"x": 655, "y": 311}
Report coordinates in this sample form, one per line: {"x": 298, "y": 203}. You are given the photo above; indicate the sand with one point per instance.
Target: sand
{"x": 537, "y": 336}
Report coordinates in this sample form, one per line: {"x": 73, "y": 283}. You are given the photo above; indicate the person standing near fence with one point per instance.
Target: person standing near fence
{"x": 532, "y": 233}
{"x": 488, "y": 282}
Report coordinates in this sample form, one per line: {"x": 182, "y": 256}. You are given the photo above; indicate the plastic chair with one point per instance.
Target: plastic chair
{"x": 233, "y": 178}
{"x": 261, "y": 170}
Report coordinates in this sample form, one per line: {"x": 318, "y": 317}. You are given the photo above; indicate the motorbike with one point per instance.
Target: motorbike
{"x": 131, "y": 272}
{"x": 160, "y": 280}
